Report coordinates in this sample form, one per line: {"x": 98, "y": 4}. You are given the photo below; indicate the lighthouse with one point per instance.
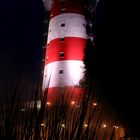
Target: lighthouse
{"x": 66, "y": 41}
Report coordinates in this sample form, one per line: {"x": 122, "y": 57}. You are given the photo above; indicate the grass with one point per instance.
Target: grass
{"x": 62, "y": 120}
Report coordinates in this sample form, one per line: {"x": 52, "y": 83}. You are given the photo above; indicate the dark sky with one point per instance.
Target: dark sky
{"x": 21, "y": 25}
{"x": 115, "y": 67}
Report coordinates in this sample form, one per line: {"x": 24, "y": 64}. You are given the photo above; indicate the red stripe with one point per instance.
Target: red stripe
{"x": 70, "y": 6}
{"x": 72, "y": 47}
{"x": 72, "y": 93}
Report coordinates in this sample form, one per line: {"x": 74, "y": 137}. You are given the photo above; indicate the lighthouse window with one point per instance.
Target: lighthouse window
{"x": 61, "y": 39}
{"x": 49, "y": 30}
{"x": 84, "y": 25}
{"x": 63, "y": 25}
{"x": 46, "y": 58}
{"x": 60, "y": 71}
{"x": 61, "y": 54}
{"x": 63, "y": 10}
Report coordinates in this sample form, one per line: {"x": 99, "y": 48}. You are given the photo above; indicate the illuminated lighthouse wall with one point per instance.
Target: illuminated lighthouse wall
{"x": 64, "y": 67}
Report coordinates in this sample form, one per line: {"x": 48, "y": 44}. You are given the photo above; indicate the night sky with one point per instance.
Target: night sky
{"x": 115, "y": 65}
{"x": 21, "y": 27}
{"x": 117, "y": 57}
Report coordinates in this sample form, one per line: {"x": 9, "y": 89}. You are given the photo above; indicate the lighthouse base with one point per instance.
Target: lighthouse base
{"x": 64, "y": 95}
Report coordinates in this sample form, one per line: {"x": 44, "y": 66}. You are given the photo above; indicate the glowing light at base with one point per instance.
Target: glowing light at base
{"x": 104, "y": 125}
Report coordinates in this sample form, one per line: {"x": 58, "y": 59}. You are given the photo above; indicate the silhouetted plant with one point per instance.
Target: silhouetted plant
{"x": 63, "y": 119}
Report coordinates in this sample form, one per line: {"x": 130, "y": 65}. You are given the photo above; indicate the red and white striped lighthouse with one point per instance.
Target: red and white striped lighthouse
{"x": 64, "y": 67}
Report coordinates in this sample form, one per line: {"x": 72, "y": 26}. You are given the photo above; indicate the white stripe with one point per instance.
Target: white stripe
{"x": 73, "y": 72}
{"x": 74, "y": 26}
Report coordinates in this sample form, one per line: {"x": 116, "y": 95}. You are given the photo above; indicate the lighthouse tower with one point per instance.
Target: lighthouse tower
{"x": 64, "y": 67}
